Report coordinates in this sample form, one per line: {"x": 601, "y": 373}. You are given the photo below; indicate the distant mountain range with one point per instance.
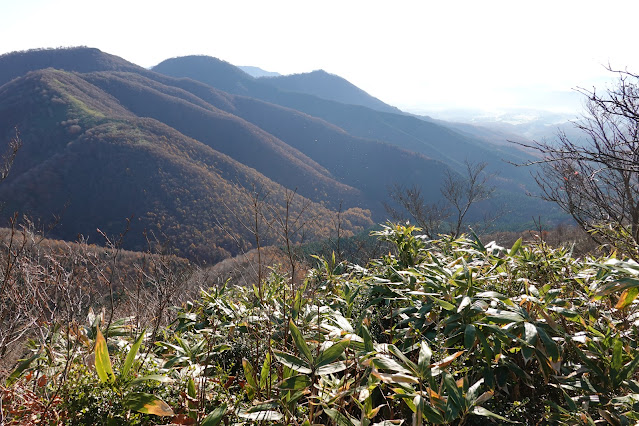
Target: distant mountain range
{"x": 186, "y": 149}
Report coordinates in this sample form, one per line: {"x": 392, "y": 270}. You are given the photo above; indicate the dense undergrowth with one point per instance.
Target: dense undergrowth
{"x": 436, "y": 332}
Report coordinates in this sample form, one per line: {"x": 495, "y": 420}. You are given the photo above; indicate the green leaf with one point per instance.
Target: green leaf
{"x": 300, "y": 342}
{"x": 423, "y": 362}
{"x": 515, "y": 248}
{"x": 339, "y": 418}
{"x": 504, "y": 317}
{"x": 549, "y": 344}
{"x": 190, "y": 388}
{"x": 629, "y": 369}
{"x": 454, "y": 393}
{"x": 470, "y": 333}
{"x": 530, "y": 333}
{"x": 481, "y": 411}
{"x": 266, "y": 371}
{"x": 331, "y": 354}
{"x": 147, "y": 404}
{"x": 368, "y": 340}
{"x": 215, "y": 417}
{"x": 249, "y": 373}
{"x": 300, "y": 381}
{"x": 617, "y": 351}
{"x": 15, "y": 375}
{"x": 407, "y": 363}
{"x": 444, "y": 304}
{"x": 128, "y": 362}
{"x": 102, "y": 360}
{"x": 293, "y": 362}
{"x": 332, "y": 368}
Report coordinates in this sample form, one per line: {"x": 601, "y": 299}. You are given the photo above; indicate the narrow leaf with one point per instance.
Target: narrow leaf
{"x": 331, "y": 354}
{"x": 481, "y": 411}
{"x": 300, "y": 381}
{"x": 102, "y": 360}
{"x": 300, "y": 342}
{"x": 423, "y": 362}
{"x": 215, "y": 417}
{"x": 15, "y": 375}
{"x": 131, "y": 355}
{"x": 293, "y": 362}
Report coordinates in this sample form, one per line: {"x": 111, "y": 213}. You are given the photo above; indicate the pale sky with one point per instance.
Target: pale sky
{"x": 412, "y": 54}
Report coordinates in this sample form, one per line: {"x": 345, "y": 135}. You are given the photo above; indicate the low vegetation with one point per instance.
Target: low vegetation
{"x": 446, "y": 331}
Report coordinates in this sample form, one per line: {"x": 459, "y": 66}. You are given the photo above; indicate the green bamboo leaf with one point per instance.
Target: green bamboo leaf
{"x": 549, "y": 344}
{"x": 629, "y": 369}
{"x": 15, "y": 375}
{"x": 102, "y": 360}
{"x": 339, "y": 418}
{"x": 332, "y": 368}
{"x": 266, "y": 371}
{"x": 300, "y": 381}
{"x": 455, "y": 394}
{"x": 293, "y": 362}
{"x": 147, "y": 404}
{"x": 515, "y": 248}
{"x": 368, "y": 340}
{"x": 444, "y": 304}
{"x": 423, "y": 362}
{"x": 249, "y": 373}
{"x": 503, "y": 317}
{"x": 300, "y": 342}
{"x": 407, "y": 363}
{"x": 473, "y": 392}
{"x": 617, "y": 352}
{"x": 215, "y": 417}
{"x": 190, "y": 388}
{"x": 481, "y": 411}
{"x": 332, "y": 353}
{"x": 128, "y": 362}
{"x": 470, "y": 334}
{"x": 530, "y": 333}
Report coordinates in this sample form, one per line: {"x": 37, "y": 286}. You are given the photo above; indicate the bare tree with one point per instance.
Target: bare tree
{"x": 460, "y": 192}
{"x": 464, "y": 191}
{"x": 596, "y": 180}
{"x": 413, "y": 207}
{"x": 6, "y": 161}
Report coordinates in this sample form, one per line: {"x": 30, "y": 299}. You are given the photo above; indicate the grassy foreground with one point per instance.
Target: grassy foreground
{"x": 437, "y": 332}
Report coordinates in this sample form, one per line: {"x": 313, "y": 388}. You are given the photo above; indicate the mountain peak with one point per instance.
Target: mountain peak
{"x": 329, "y": 86}
{"x": 79, "y": 59}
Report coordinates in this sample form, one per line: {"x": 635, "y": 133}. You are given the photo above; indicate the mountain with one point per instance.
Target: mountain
{"x": 258, "y": 72}
{"x": 329, "y": 86}
{"x": 447, "y": 143}
{"x": 180, "y": 160}
{"x": 407, "y": 132}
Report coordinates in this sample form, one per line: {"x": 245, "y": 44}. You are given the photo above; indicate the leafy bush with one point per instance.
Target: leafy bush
{"x": 448, "y": 331}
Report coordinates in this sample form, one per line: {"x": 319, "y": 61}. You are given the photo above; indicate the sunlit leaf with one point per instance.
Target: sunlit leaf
{"x": 300, "y": 381}
{"x": 131, "y": 355}
{"x": 332, "y": 353}
{"x": 148, "y": 404}
{"x": 102, "y": 360}
{"x": 300, "y": 342}
{"x": 293, "y": 362}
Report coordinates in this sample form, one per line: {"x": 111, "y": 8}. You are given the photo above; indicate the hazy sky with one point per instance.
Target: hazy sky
{"x": 412, "y": 54}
